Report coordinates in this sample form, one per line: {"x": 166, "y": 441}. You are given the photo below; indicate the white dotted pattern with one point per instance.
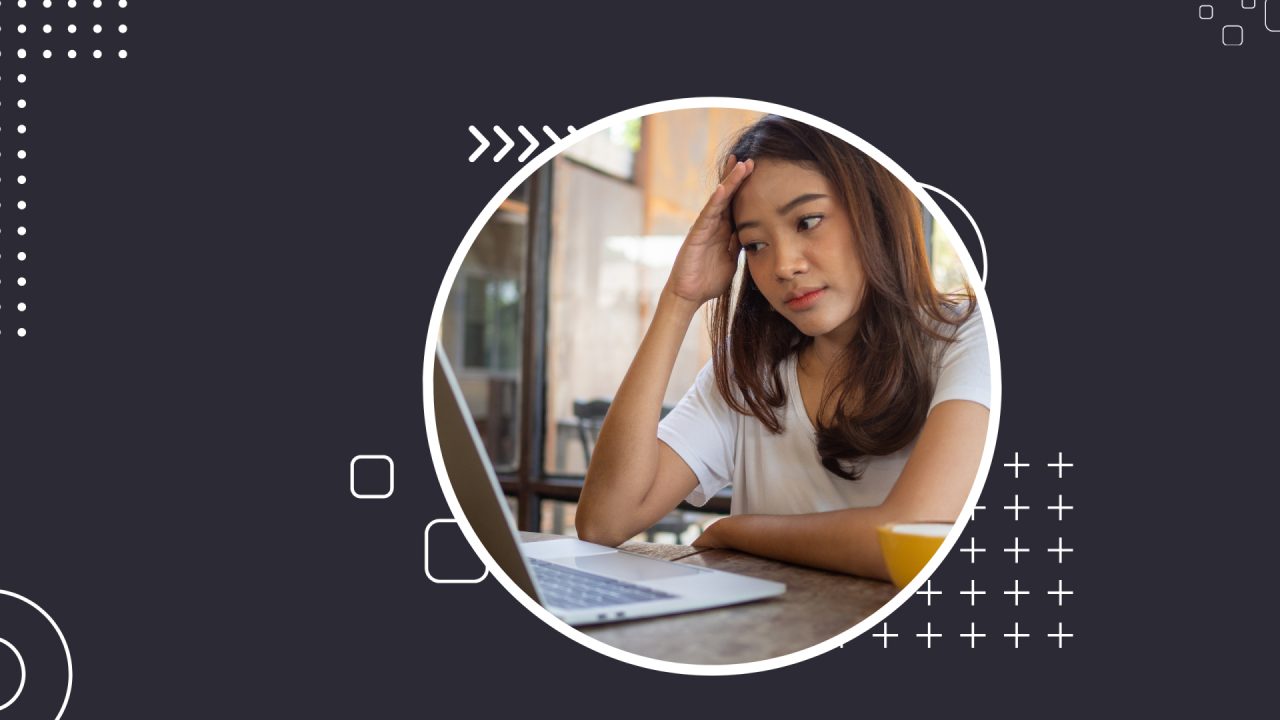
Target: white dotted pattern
{"x": 48, "y": 53}
{"x": 72, "y": 29}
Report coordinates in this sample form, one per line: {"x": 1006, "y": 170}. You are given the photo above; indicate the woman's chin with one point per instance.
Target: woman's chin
{"x": 813, "y": 327}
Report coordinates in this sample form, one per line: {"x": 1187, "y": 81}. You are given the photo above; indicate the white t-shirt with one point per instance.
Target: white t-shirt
{"x": 783, "y": 474}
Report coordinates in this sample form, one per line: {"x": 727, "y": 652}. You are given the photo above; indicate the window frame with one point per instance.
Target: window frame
{"x": 530, "y": 483}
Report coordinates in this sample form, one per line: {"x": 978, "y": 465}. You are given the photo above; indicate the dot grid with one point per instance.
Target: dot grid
{"x": 48, "y": 30}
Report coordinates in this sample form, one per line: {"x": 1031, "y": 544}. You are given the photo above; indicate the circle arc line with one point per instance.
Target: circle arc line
{"x": 986, "y": 263}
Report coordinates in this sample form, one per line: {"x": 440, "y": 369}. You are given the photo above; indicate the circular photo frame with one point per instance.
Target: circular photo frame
{"x": 972, "y": 278}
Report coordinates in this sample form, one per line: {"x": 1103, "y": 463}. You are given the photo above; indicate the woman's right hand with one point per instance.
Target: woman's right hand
{"x": 708, "y": 258}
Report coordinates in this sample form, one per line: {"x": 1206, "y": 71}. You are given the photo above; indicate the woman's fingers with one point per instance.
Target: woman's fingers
{"x": 713, "y": 211}
{"x": 731, "y": 183}
{"x": 729, "y": 162}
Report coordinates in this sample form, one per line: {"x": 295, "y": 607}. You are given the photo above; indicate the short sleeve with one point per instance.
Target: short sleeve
{"x": 964, "y": 371}
{"x": 702, "y": 429}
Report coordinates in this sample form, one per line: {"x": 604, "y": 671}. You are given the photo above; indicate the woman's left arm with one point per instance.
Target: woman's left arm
{"x": 932, "y": 488}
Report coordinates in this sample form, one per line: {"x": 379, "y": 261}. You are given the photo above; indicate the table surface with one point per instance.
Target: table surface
{"x": 816, "y": 606}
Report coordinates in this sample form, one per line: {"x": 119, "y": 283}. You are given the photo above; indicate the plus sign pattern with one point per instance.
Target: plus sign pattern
{"x": 37, "y": 32}
{"x": 1010, "y": 569}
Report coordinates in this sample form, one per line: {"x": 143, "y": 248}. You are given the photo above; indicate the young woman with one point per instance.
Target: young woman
{"x": 844, "y": 391}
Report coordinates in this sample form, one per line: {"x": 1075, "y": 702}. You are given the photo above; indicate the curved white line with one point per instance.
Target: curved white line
{"x": 974, "y": 223}
{"x": 22, "y": 673}
{"x": 65, "y": 647}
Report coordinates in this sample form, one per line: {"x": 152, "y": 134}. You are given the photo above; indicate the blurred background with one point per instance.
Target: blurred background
{"x": 554, "y": 297}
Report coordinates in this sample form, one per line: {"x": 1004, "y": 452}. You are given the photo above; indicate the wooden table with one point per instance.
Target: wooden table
{"x": 816, "y": 606}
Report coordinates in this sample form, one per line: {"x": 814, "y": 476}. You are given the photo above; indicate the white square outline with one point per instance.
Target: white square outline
{"x": 426, "y": 557}
{"x": 391, "y": 476}
{"x": 1253, "y": 4}
{"x": 1202, "y": 15}
{"x": 1224, "y": 35}
{"x": 1266, "y": 18}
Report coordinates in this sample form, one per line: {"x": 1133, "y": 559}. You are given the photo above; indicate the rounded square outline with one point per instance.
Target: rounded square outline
{"x": 1202, "y": 15}
{"x": 391, "y": 476}
{"x": 426, "y": 557}
{"x": 1224, "y": 35}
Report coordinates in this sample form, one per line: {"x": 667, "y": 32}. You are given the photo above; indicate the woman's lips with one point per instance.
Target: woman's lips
{"x": 806, "y": 300}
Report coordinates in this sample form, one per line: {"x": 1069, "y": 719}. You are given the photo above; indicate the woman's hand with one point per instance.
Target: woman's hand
{"x": 708, "y": 258}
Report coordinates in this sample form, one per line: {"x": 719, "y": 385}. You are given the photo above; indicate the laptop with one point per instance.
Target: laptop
{"x": 579, "y": 582}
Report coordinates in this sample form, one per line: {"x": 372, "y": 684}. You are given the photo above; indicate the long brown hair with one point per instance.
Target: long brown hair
{"x": 882, "y": 385}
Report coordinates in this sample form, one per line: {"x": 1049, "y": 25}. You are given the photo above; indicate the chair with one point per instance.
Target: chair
{"x": 590, "y": 415}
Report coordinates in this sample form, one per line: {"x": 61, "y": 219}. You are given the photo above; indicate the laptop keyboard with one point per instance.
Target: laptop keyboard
{"x": 568, "y": 588}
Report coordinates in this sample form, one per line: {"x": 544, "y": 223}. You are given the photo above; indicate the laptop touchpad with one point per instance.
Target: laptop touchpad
{"x": 622, "y": 566}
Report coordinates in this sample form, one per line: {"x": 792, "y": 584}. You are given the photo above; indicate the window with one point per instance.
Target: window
{"x": 481, "y": 331}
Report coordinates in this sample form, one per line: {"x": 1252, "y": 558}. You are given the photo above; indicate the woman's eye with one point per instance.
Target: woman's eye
{"x": 810, "y": 222}
{"x": 752, "y": 247}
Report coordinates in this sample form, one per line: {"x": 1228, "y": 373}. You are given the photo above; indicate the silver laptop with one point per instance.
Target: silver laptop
{"x": 581, "y": 583}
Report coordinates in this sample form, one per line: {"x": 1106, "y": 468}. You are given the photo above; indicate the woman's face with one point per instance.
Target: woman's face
{"x": 799, "y": 243}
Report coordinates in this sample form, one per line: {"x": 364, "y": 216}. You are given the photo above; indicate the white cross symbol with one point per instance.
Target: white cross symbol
{"x": 1059, "y": 507}
{"x": 928, "y": 594}
{"x": 1060, "y": 635}
{"x": 1016, "y": 635}
{"x": 1017, "y": 466}
{"x": 973, "y": 514}
{"x": 971, "y": 550}
{"x": 1016, "y": 593}
{"x": 884, "y": 634}
{"x": 973, "y": 636}
{"x": 1060, "y": 550}
{"x": 1060, "y": 592}
{"x": 929, "y": 635}
{"x": 972, "y": 593}
{"x": 1061, "y": 465}
{"x": 1016, "y": 508}
{"x": 1016, "y": 550}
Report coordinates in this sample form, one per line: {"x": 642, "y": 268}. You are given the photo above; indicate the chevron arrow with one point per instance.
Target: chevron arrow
{"x": 505, "y": 148}
{"x": 554, "y": 137}
{"x": 484, "y": 143}
{"x": 508, "y": 143}
{"x": 533, "y": 143}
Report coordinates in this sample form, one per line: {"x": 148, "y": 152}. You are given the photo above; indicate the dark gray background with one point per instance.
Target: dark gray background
{"x": 237, "y": 235}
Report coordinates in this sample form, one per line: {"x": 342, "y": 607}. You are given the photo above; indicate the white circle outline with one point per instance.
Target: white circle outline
{"x": 22, "y": 674}
{"x": 433, "y": 441}
{"x": 67, "y": 649}
{"x": 986, "y": 264}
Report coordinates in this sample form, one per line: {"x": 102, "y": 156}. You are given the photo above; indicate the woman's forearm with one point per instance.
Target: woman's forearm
{"x": 840, "y": 540}
{"x": 624, "y": 463}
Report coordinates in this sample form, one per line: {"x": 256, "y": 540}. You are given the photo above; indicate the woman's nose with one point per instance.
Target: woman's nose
{"x": 791, "y": 260}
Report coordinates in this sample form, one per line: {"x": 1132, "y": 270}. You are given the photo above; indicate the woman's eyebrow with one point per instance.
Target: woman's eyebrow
{"x": 788, "y": 207}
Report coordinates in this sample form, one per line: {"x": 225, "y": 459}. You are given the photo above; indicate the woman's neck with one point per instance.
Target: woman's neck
{"x": 826, "y": 349}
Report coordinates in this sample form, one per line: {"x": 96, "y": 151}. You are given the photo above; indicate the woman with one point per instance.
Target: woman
{"x": 844, "y": 391}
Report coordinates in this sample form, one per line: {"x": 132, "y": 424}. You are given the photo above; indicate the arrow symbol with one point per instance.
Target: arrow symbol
{"x": 506, "y": 148}
{"x": 533, "y": 143}
{"x": 508, "y": 143}
{"x": 484, "y": 143}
